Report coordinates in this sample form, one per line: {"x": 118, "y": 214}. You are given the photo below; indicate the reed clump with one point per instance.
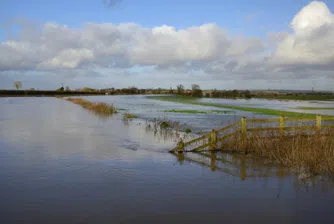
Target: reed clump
{"x": 98, "y": 108}
{"x": 312, "y": 154}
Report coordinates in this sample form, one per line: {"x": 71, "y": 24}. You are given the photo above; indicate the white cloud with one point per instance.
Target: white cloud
{"x": 312, "y": 41}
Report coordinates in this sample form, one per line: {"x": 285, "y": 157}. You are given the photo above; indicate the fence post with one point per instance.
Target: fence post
{"x": 281, "y": 125}
{"x": 180, "y": 146}
{"x": 244, "y": 132}
{"x": 318, "y": 124}
{"x": 213, "y": 139}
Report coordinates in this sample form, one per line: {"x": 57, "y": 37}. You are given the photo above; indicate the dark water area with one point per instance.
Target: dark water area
{"x": 62, "y": 164}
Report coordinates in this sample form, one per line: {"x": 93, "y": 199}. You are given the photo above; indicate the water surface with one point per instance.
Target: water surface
{"x": 62, "y": 164}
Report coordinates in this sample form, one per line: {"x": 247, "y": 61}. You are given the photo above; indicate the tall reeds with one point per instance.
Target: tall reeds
{"x": 313, "y": 154}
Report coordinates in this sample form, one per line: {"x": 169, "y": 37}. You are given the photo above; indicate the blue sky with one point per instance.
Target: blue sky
{"x": 242, "y": 16}
{"x": 249, "y": 19}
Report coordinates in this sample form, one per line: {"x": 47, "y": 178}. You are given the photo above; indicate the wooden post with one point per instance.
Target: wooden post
{"x": 244, "y": 132}
{"x": 318, "y": 124}
{"x": 281, "y": 125}
{"x": 213, "y": 139}
{"x": 243, "y": 168}
{"x": 180, "y": 146}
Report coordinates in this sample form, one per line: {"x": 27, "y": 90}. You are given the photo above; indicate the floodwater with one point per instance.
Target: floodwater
{"x": 287, "y": 105}
{"x": 62, "y": 164}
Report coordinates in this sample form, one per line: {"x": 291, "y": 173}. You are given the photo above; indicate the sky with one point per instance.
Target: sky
{"x": 230, "y": 44}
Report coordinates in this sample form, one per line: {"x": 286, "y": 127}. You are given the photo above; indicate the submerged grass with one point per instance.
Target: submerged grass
{"x": 193, "y": 100}
{"x": 198, "y": 111}
{"x": 98, "y": 108}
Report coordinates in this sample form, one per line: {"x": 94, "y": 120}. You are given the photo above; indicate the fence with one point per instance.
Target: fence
{"x": 228, "y": 136}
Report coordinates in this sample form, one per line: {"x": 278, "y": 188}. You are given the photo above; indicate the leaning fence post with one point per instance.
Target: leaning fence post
{"x": 213, "y": 139}
{"x": 318, "y": 124}
{"x": 180, "y": 146}
{"x": 281, "y": 125}
{"x": 244, "y": 132}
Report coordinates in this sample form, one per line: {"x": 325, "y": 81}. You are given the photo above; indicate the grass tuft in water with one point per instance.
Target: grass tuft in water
{"x": 129, "y": 116}
{"x": 188, "y": 130}
{"x": 98, "y": 108}
{"x": 164, "y": 124}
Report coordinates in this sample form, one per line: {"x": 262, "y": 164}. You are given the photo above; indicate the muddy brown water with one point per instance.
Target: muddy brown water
{"x": 62, "y": 164}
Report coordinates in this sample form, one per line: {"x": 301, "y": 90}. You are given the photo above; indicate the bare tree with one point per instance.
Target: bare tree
{"x": 180, "y": 89}
{"x": 18, "y": 84}
{"x": 196, "y": 90}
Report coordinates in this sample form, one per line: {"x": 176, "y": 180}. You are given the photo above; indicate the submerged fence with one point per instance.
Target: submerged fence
{"x": 240, "y": 132}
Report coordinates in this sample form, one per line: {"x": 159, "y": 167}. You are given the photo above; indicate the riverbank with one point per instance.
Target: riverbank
{"x": 194, "y": 101}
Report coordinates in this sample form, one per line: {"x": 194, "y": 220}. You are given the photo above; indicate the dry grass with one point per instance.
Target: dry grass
{"x": 312, "y": 154}
{"x": 98, "y": 108}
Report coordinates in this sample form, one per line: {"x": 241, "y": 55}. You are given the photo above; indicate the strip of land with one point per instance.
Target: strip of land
{"x": 193, "y": 100}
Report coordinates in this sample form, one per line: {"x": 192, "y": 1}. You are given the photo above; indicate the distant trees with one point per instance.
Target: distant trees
{"x": 196, "y": 90}
{"x": 18, "y": 84}
{"x": 180, "y": 89}
{"x": 67, "y": 89}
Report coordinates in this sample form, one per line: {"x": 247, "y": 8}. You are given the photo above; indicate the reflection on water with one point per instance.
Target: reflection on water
{"x": 62, "y": 164}
{"x": 245, "y": 167}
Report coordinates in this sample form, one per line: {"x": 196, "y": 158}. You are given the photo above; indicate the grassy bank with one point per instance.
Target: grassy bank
{"x": 193, "y": 100}
{"x": 98, "y": 108}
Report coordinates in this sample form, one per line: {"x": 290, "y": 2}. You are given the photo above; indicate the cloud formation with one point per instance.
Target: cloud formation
{"x": 208, "y": 48}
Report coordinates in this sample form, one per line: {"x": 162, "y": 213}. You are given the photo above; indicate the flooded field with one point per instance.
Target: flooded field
{"x": 286, "y": 105}
{"x": 62, "y": 164}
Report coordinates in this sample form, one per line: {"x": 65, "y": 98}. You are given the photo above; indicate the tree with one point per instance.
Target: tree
{"x": 196, "y": 90}
{"x": 61, "y": 89}
{"x": 180, "y": 89}
{"x": 67, "y": 89}
{"x": 17, "y": 84}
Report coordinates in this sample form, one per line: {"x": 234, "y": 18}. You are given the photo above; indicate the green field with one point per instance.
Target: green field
{"x": 193, "y": 100}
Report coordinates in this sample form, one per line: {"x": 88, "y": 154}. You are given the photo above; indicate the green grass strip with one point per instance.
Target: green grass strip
{"x": 193, "y": 100}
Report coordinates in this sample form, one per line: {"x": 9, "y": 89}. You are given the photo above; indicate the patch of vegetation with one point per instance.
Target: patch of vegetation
{"x": 129, "y": 116}
{"x": 193, "y": 100}
{"x": 188, "y": 130}
{"x": 98, "y": 108}
{"x": 164, "y": 124}
{"x": 315, "y": 108}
